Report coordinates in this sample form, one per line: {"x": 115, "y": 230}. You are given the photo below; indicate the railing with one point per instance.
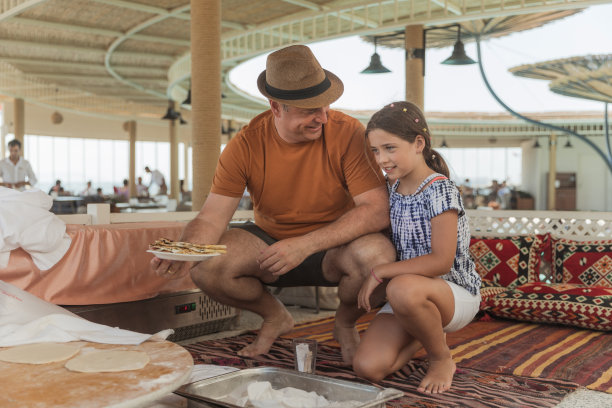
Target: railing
{"x": 577, "y": 225}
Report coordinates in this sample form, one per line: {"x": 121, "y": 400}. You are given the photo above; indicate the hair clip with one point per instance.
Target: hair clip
{"x": 416, "y": 120}
{"x": 392, "y": 105}
{"x": 405, "y": 110}
{"x": 433, "y": 156}
{"x": 424, "y": 129}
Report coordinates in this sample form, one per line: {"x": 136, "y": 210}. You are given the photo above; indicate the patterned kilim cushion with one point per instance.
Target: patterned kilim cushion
{"x": 509, "y": 261}
{"x": 488, "y": 289}
{"x": 583, "y": 262}
{"x": 561, "y": 303}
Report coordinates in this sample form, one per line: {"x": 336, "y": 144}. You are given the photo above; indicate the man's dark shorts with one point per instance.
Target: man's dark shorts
{"x": 308, "y": 273}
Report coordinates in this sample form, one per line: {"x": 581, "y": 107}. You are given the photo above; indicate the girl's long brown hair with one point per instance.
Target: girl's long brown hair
{"x": 406, "y": 121}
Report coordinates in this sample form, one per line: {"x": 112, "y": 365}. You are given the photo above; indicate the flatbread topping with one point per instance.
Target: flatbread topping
{"x": 187, "y": 248}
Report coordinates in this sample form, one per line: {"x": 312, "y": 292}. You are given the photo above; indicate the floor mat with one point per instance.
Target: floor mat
{"x": 471, "y": 388}
{"x": 509, "y": 347}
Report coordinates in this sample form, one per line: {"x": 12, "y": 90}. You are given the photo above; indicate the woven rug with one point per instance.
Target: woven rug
{"x": 471, "y": 388}
{"x": 509, "y": 347}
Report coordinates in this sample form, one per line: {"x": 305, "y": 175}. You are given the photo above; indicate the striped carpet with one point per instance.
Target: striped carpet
{"x": 481, "y": 380}
{"x": 471, "y": 388}
{"x": 508, "y": 347}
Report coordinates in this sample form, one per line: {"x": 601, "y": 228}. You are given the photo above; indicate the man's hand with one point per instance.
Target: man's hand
{"x": 282, "y": 256}
{"x": 170, "y": 269}
{"x": 367, "y": 288}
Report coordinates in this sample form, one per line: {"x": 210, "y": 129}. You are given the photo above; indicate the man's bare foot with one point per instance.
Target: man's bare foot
{"x": 268, "y": 332}
{"x": 439, "y": 376}
{"x": 348, "y": 337}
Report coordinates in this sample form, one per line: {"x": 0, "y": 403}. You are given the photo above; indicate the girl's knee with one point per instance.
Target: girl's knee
{"x": 369, "y": 367}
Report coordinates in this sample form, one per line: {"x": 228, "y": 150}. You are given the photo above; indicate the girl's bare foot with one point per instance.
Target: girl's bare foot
{"x": 268, "y": 332}
{"x": 439, "y": 376}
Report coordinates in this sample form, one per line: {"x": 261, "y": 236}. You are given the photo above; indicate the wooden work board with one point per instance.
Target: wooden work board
{"x": 53, "y": 386}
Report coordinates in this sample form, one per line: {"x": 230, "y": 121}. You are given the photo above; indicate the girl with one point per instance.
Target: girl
{"x": 433, "y": 287}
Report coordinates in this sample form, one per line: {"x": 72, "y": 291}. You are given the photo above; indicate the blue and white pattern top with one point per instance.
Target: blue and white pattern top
{"x": 411, "y": 227}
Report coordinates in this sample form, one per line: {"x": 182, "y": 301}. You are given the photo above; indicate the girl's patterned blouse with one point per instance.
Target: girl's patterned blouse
{"x": 411, "y": 227}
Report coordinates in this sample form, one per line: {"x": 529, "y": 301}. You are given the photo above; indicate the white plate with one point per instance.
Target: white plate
{"x": 181, "y": 257}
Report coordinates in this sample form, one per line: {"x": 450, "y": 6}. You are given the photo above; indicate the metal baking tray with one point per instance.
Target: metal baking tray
{"x": 215, "y": 391}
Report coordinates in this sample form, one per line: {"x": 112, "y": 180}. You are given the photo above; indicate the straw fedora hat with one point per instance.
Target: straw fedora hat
{"x": 293, "y": 76}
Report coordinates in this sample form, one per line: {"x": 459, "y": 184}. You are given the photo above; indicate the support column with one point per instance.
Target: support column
{"x": 205, "y": 95}
{"x": 415, "y": 80}
{"x": 552, "y": 173}
{"x": 131, "y": 125}
{"x": 174, "y": 177}
{"x": 186, "y": 164}
{"x": 19, "y": 122}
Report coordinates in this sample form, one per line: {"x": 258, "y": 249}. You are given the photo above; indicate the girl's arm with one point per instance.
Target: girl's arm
{"x": 439, "y": 261}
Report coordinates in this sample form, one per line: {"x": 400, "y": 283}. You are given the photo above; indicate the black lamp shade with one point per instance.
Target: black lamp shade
{"x": 375, "y": 67}
{"x": 458, "y": 56}
{"x": 171, "y": 114}
{"x": 187, "y": 100}
{"x": 536, "y": 145}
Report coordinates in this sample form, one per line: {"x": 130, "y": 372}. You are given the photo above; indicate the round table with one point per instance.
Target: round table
{"x": 53, "y": 386}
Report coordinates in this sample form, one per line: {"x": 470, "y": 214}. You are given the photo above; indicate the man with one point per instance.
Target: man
{"x": 319, "y": 203}
{"x": 157, "y": 178}
{"x": 141, "y": 189}
{"x": 15, "y": 169}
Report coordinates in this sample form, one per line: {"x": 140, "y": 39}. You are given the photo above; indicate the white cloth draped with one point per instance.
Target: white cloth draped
{"x": 26, "y": 222}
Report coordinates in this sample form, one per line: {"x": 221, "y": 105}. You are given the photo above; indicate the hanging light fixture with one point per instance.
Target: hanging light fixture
{"x": 536, "y": 145}
{"x": 375, "y": 67}
{"x": 568, "y": 144}
{"x": 458, "y": 57}
{"x": 56, "y": 117}
{"x": 171, "y": 114}
{"x": 187, "y": 100}
{"x": 443, "y": 144}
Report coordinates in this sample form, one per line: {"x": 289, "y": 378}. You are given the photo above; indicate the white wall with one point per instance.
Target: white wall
{"x": 594, "y": 179}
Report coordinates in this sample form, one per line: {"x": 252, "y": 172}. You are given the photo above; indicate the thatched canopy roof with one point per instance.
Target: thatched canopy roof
{"x": 587, "y": 77}
{"x": 128, "y": 57}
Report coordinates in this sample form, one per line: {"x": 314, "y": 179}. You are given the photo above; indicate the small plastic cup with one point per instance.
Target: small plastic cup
{"x": 305, "y": 355}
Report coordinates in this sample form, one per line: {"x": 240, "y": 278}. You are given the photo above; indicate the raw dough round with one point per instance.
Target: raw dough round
{"x": 108, "y": 361}
{"x": 39, "y": 353}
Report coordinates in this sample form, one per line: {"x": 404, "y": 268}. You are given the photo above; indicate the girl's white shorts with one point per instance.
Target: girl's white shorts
{"x": 466, "y": 307}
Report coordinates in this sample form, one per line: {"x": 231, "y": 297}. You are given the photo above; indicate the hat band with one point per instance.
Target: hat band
{"x": 295, "y": 94}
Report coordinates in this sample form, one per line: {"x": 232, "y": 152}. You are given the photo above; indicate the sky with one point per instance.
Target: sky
{"x": 460, "y": 88}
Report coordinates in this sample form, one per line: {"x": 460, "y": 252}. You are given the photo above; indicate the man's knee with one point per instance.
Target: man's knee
{"x": 371, "y": 249}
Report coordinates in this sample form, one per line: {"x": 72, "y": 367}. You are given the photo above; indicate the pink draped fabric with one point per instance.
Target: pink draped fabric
{"x": 105, "y": 264}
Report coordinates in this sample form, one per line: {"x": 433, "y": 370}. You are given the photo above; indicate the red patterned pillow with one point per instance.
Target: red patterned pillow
{"x": 489, "y": 289}
{"x": 582, "y": 262}
{"x": 561, "y": 303}
{"x": 508, "y": 261}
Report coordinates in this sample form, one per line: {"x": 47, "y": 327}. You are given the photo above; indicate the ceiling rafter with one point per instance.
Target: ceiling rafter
{"x": 82, "y": 65}
{"x": 71, "y": 49}
{"x": 99, "y": 31}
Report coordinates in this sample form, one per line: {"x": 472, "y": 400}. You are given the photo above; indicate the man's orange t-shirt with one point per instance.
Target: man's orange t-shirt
{"x": 297, "y": 188}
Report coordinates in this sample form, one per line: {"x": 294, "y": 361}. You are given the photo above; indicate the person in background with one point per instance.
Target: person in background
{"x": 433, "y": 287}
{"x": 88, "y": 191}
{"x": 319, "y": 203}
{"x": 505, "y": 194}
{"x": 123, "y": 192}
{"x": 141, "y": 189}
{"x": 15, "y": 171}
{"x": 57, "y": 189}
{"x": 157, "y": 178}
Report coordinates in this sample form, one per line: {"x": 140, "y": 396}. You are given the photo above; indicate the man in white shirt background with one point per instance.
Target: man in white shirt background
{"x": 15, "y": 171}
{"x": 157, "y": 178}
